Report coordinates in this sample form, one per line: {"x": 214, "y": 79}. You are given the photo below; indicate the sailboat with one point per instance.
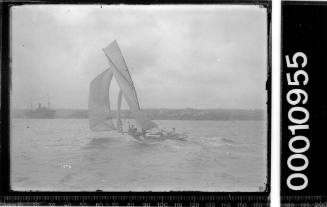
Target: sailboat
{"x": 99, "y": 110}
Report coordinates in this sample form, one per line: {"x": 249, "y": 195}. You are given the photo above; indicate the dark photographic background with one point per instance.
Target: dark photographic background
{"x": 304, "y": 29}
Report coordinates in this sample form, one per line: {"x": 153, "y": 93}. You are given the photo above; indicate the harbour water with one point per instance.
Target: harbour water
{"x": 64, "y": 155}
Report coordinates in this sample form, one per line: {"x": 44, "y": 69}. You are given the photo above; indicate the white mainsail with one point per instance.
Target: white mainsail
{"x": 126, "y": 85}
{"x": 99, "y": 107}
{"x": 113, "y": 52}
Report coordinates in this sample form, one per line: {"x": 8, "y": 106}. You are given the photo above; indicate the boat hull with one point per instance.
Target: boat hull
{"x": 142, "y": 137}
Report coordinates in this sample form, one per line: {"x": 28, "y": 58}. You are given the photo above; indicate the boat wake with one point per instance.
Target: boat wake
{"x": 150, "y": 140}
{"x": 123, "y": 140}
{"x": 103, "y": 142}
{"x": 215, "y": 141}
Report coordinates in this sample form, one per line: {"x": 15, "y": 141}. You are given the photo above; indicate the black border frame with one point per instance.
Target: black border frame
{"x": 6, "y": 194}
{"x": 316, "y": 194}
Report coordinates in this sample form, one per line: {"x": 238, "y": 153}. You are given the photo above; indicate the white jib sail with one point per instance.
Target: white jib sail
{"x": 100, "y": 116}
{"x": 126, "y": 85}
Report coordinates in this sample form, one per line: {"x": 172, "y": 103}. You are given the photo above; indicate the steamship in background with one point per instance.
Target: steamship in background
{"x": 41, "y": 112}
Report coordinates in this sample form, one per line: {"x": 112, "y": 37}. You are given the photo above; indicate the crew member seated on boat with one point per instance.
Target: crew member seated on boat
{"x": 172, "y": 133}
{"x": 130, "y": 128}
{"x": 143, "y": 132}
{"x": 133, "y": 129}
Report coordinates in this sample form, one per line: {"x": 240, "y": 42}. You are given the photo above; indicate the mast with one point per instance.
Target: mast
{"x": 130, "y": 77}
{"x": 138, "y": 103}
{"x": 119, "y": 122}
{"x": 48, "y": 101}
{"x": 31, "y": 104}
{"x": 137, "y": 99}
{"x": 126, "y": 84}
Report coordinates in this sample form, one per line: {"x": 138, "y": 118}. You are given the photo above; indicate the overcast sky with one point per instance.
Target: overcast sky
{"x": 178, "y": 56}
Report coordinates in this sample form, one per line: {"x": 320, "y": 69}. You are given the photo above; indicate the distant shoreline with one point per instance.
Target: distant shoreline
{"x": 165, "y": 114}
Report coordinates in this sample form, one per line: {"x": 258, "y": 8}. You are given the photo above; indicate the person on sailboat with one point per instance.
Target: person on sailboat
{"x": 143, "y": 132}
{"x": 120, "y": 128}
{"x": 99, "y": 96}
{"x": 172, "y": 133}
{"x": 133, "y": 129}
{"x": 130, "y": 128}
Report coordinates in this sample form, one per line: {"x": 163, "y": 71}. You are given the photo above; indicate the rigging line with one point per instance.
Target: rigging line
{"x": 120, "y": 72}
{"x": 131, "y": 84}
{"x": 129, "y": 75}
